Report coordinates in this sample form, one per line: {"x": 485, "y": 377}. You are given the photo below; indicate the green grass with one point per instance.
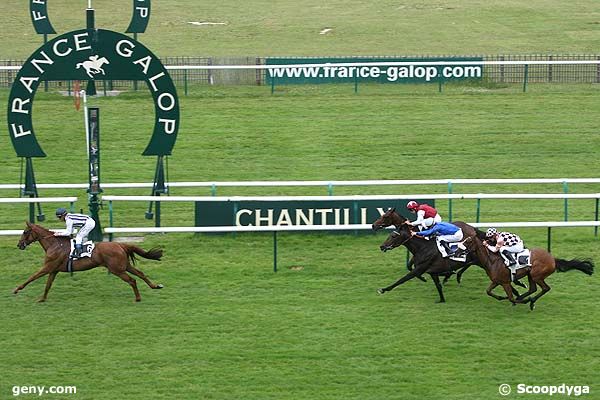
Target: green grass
{"x": 225, "y": 326}
{"x": 286, "y": 28}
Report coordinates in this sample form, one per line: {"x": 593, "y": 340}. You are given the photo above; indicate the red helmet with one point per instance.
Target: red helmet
{"x": 412, "y": 205}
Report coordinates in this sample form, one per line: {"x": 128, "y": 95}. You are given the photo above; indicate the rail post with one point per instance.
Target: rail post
{"x": 274, "y": 251}
{"x": 525, "y": 77}
{"x": 450, "y": 202}
{"x": 565, "y": 191}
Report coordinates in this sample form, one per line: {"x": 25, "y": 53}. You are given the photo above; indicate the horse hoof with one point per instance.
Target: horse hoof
{"x": 531, "y": 305}
{"x": 380, "y": 291}
{"x": 41, "y": 300}
{"x": 138, "y": 300}
{"x": 159, "y": 286}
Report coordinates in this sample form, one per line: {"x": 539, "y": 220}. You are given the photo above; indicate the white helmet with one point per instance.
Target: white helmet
{"x": 491, "y": 232}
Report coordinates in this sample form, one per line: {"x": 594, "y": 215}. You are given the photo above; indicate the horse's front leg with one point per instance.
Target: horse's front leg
{"x": 492, "y": 294}
{"x": 43, "y": 271}
{"x": 410, "y": 266}
{"x": 51, "y": 277}
{"x": 417, "y": 271}
{"x": 438, "y": 285}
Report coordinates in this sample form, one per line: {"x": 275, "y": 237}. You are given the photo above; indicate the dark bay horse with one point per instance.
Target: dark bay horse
{"x": 543, "y": 264}
{"x": 117, "y": 257}
{"x": 391, "y": 217}
{"x": 427, "y": 258}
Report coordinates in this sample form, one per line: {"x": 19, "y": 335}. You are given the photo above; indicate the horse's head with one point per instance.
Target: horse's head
{"x": 389, "y": 218}
{"x": 27, "y": 237}
{"x": 397, "y": 238}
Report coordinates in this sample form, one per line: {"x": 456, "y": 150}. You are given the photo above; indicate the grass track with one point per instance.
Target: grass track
{"x": 226, "y": 326}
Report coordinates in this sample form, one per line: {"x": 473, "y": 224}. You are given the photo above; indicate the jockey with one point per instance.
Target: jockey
{"x": 84, "y": 223}
{"x": 426, "y": 215}
{"x": 447, "y": 233}
{"x": 506, "y": 243}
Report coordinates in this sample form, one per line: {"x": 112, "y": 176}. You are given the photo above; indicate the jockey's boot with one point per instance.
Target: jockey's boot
{"x": 509, "y": 257}
{"x": 78, "y": 250}
{"x": 446, "y": 247}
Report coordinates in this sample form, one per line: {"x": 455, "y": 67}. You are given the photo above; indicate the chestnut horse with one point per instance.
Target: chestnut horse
{"x": 117, "y": 257}
{"x": 543, "y": 264}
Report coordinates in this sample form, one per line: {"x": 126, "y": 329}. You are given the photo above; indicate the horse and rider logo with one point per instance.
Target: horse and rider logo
{"x": 93, "y": 66}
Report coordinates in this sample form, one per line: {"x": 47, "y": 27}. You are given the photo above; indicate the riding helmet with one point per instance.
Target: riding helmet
{"x": 61, "y": 211}
{"x": 412, "y": 205}
{"x": 491, "y": 232}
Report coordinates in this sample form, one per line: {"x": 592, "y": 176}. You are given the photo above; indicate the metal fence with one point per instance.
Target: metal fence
{"x": 501, "y": 74}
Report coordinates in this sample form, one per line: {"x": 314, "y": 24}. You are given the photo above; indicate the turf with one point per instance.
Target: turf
{"x": 225, "y": 326}
{"x": 285, "y": 28}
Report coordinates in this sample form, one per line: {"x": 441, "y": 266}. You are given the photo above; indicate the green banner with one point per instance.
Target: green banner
{"x": 140, "y": 17}
{"x": 380, "y": 73}
{"x": 296, "y": 212}
{"x": 93, "y": 55}
{"x": 39, "y": 17}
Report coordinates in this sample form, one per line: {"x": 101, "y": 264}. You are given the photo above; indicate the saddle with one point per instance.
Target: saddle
{"x": 88, "y": 247}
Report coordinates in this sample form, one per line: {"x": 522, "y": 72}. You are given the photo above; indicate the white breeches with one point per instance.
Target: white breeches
{"x": 84, "y": 231}
{"x": 517, "y": 248}
{"x": 456, "y": 237}
{"x": 428, "y": 222}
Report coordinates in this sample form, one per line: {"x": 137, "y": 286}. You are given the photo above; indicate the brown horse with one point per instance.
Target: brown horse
{"x": 391, "y": 217}
{"x": 543, "y": 264}
{"x": 117, "y": 257}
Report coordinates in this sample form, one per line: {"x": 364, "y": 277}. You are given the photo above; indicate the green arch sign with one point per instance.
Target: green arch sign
{"x": 89, "y": 55}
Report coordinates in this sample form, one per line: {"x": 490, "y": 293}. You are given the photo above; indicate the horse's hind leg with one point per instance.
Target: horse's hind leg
{"x": 131, "y": 281}
{"x": 141, "y": 275}
{"x": 51, "y": 277}
{"x": 545, "y": 289}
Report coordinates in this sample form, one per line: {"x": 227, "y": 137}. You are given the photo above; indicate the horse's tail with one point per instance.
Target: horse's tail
{"x": 78, "y": 65}
{"x": 585, "y": 266}
{"x": 154, "y": 253}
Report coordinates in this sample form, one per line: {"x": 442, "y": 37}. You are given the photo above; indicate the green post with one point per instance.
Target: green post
{"x": 478, "y": 210}
{"x": 525, "y": 77}
{"x": 274, "y": 251}
{"x": 30, "y": 190}
{"x": 110, "y": 219}
{"x": 157, "y": 188}
{"x": 213, "y": 190}
{"x": 596, "y": 228}
{"x": 330, "y": 189}
{"x": 450, "y": 202}
{"x": 272, "y": 84}
{"x": 440, "y": 81}
{"x": 185, "y": 82}
{"x": 355, "y": 84}
{"x": 549, "y": 239}
{"x": 565, "y": 191}
{"x": 93, "y": 133}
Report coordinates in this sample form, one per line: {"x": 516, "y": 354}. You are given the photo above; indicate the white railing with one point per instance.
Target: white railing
{"x": 323, "y": 183}
{"x": 32, "y": 200}
{"x": 316, "y": 228}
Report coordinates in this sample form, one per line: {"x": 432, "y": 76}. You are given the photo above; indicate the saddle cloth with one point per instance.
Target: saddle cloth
{"x": 88, "y": 247}
{"x": 523, "y": 259}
